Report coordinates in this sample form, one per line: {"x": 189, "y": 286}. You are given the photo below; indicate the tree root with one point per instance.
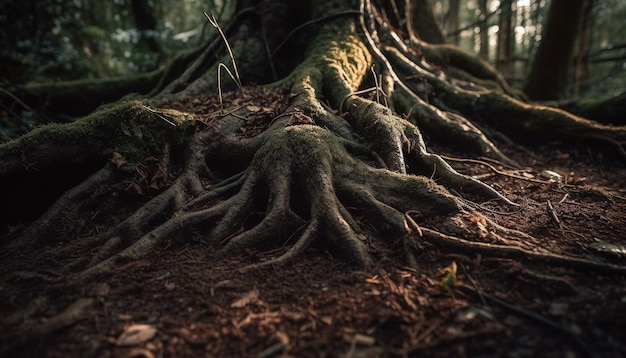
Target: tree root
{"x": 65, "y": 209}
{"x": 311, "y": 171}
{"x": 446, "y": 103}
{"x": 523, "y": 121}
{"x": 304, "y": 157}
{"x": 518, "y": 253}
{"x": 77, "y": 311}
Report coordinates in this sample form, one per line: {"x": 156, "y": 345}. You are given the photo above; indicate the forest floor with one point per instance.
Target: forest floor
{"x": 181, "y": 303}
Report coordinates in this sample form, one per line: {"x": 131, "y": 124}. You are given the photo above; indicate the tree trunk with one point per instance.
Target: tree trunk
{"x": 549, "y": 77}
{"x": 146, "y": 22}
{"x": 582, "y": 54}
{"x": 484, "y": 30}
{"x": 452, "y": 21}
{"x": 421, "y": 20}
{"x": 503, "y": 52}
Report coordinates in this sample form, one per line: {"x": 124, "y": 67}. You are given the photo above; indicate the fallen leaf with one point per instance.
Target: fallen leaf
{"x": 158, "y": 173}
{"x": 118, "y": 159}
{"x": 142, "y": 170}
{"x": 282, "y": 337}
{"x": 136, "y": 334}
{"x": 134, "y": 187}
{"x": 246, "y": 299}
{"x": 449, "y": 279}
{"x": 551, "y": 176}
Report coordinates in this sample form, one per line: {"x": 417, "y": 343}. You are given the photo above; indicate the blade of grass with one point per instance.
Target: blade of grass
{"x": 235, "y": 78}
{"x": 219, "y": 82}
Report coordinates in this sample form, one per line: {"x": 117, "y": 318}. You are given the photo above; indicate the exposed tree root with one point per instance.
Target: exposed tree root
{"x": 78, "y": 310}
{"x": 316, "y": 166}
{"x": 522, "y": 121}
{"x": 65, "y": 210}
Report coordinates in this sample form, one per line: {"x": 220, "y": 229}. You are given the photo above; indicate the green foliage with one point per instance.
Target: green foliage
{"x": 77, "y": 39}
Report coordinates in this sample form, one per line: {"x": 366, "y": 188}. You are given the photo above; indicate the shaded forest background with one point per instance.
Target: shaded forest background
{"x": 60, "y": 40}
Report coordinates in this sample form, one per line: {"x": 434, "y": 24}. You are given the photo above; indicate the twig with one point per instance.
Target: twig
{"x": 409, "y": 219}
{"x": 510, "y": 251}
{"x": 158, "y": 114}
{"x": 268, "y": 51}
{"x": 13, "y": 97}
{"x": 282, "y": 115}
{"x": 477, "y": 206}
{"x": 213, "y": 22}
{"x": 553, "y": 214}
{"x": 477, "y": 290}
{"x": 496, "y": 170}
{"x": 377, "y": 89}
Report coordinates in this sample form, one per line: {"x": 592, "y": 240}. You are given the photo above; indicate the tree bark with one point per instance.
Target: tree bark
{"x": 484, "y": 30}
{"x": 452, "y": 21}
{"x": 550, "y": 72}
{"x": 421, "y": 20}
{"x": 503, "y": 52}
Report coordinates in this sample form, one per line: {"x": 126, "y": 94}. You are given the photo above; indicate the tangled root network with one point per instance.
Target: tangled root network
{"x": 337, "y": 166}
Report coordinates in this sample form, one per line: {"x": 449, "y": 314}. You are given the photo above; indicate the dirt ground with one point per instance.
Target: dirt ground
{"x": 182, "y": 303}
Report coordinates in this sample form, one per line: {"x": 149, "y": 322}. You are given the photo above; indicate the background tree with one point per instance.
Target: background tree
{"x": 505, "y": 32}
{"x": 550, "y": 72}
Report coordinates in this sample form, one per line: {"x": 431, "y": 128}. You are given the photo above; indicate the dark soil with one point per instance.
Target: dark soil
{"x": 321, "y": 307}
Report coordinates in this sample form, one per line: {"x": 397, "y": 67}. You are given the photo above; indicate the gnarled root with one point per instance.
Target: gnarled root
{"x": 308, "y": 173}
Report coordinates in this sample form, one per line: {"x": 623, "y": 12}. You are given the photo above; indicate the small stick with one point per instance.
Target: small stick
{"x": 409, "y": 219}
{"x": 553, "y": 214}
{"x": 213, "y": 22}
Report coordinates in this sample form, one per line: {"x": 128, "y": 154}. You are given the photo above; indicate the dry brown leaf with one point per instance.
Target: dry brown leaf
{"x": 118, "y": 159}
{"x": 158, "y": 173}
{"x": 134, "y": 187}
{"x": 246, "y": 299}
{"x": 142, "y": 170}
{"x": 136, "y": 334}
{"x": 282, "y": 337}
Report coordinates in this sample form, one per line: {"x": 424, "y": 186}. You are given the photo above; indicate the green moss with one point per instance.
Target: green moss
{"x": 453, "y": 226}
{"x": 594, "y": 194}
{"x": 131, "y": 128}
{"x": 336, "y": 61}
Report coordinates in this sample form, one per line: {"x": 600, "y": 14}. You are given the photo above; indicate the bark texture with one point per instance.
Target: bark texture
{"x": 551, "y": 69}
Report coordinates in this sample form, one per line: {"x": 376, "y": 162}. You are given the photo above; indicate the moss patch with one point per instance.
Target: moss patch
{"x": 132, "y": 128}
